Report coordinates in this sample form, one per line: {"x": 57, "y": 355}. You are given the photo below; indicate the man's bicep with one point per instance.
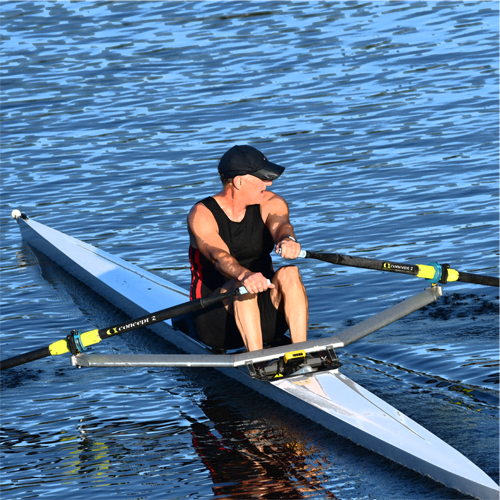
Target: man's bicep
{"x": 204, "y": 233}
{"x": 278, "y": 215}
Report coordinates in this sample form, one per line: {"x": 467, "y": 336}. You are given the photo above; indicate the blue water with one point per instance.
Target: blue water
{"x": 114, "y": 116}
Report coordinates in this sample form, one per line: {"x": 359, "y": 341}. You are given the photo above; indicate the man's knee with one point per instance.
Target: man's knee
{"x": 288, "y": 276}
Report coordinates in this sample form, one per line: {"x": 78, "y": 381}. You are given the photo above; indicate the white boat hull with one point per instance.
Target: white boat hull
{"x": 328, "y": 398}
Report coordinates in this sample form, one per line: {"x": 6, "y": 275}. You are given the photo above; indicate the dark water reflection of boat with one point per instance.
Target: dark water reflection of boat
{"x": 253, "y": 463}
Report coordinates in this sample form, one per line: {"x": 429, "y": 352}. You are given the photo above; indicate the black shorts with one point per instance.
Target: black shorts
{"x": 217, "y": 328}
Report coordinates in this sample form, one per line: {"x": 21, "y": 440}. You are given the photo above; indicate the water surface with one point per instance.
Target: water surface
{"x": 114, "y": 116}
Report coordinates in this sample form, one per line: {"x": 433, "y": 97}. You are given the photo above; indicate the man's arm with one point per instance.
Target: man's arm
{"x": 204, "y": 235}
{"x": 278, "y": 223}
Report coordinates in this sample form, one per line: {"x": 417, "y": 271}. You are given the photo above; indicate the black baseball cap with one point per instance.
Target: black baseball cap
{"x": 243, "y": 160}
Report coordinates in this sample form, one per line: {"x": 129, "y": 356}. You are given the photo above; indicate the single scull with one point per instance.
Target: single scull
{"x": 316, "y": 390}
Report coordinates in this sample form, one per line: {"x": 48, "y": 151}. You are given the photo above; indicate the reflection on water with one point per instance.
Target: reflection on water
{"x": 256, "y": 462}
{"x": 114, "y": 115}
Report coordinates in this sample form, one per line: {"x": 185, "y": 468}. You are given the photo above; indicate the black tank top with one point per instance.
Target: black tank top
{"x": 249, "y": 242}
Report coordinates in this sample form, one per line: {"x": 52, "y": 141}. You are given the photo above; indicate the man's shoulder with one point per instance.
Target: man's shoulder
{"x": 199, "y": 212}
{"x": 273, "y": 199}
{"x": 274, "y": 205}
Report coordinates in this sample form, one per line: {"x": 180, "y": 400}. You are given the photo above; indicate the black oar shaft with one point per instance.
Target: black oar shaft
{"x": 478, "y": 279}
{"x": 363, "y": 262}
{"x": 422, "y": 271}
{"x": 164, "y": 314}
{"x": 25, "y": 358}
{"x": 95, "y": 336}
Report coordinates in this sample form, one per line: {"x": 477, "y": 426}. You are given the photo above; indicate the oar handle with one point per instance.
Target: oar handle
{"x": 302, "y": 254}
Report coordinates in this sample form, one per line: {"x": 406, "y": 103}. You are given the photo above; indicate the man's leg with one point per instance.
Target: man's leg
{"x": 245, "y": 310}
{"x": 289, "y": 296}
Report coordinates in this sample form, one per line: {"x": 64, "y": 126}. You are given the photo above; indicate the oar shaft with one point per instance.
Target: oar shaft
{"x": 352, "y": 261}
{"x": 25, "y": 358}
{"x": 421, "y": 271}
{"x": 164, "y": 314}
{"x": 478, "y": 279}
{"x": 94, "y": 336}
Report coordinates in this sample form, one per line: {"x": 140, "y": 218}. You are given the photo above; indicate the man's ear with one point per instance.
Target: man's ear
{"x": 237, "y": 182}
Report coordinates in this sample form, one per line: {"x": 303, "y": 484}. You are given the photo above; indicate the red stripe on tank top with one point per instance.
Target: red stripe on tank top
{"x": 196, "y": 273}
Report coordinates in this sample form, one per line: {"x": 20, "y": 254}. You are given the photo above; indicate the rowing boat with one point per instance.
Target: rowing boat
{"x": 307, "y": 380}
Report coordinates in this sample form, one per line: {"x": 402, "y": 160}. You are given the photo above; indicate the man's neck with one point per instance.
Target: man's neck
{"x": 233, "y": 204}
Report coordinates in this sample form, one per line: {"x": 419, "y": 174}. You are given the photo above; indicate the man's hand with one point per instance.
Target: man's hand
{"x": 254, "y": 282}
{"x": 289, "y": 249}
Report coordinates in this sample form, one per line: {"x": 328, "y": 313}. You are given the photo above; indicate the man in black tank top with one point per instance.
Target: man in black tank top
{"x": 232, "y": 235}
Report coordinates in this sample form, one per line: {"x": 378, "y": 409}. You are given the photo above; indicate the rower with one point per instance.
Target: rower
{"x": 232, "y": 235}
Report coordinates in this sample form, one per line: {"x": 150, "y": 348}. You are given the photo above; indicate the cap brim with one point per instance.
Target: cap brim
{"x": 269, "y": 172}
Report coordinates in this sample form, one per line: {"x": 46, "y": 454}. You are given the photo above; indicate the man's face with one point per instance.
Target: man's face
{"x": 254, "y": 188}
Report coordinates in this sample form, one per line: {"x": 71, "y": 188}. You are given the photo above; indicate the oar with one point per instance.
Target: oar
{"x": 432, "y": 272}
{"x": 76, "y": 342}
